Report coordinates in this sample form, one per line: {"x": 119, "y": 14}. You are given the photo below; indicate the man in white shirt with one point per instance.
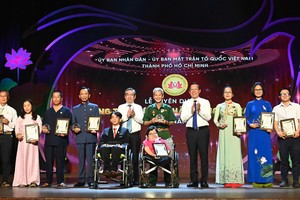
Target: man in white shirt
{"x": 132, "y": 118}
{"x": 288, "y": 145}
{"x": 196, "y": 112}
{"x": 8, "y": 116}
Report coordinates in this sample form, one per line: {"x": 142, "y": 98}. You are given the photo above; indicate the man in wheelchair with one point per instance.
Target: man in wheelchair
{"x": 164, "y": 161}
{"x": 112, "y": 145}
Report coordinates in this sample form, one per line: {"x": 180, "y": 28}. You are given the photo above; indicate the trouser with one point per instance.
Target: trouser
{"x": 289, "y": 146}
{"x": 5, "y": 150}
{"x": 85, "y": 154}
{"x": 198, "y": 141}
{"x": 57, "y": 152}
{"x": 135, "y": 145}
{"x": 111, "y": 154}
{"x": 164, "y": 162}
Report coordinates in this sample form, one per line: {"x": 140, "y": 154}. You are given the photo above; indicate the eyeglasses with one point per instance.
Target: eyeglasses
{"x": 258, "y": 90}
{"x": 284, "y": 94}
{"x": 227, "y": 92}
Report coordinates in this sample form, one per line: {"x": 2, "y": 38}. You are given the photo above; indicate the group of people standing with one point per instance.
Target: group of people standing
{"x": 128, "y": 120}
{"x": 229, "y": 164}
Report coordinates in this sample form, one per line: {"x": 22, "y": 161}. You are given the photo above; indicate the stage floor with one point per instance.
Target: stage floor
{"x": 113, "y": 191}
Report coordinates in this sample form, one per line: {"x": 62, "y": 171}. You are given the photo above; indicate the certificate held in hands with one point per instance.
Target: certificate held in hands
{"x": 32, "y": 132}
{"x": 93, "y": 124}
{"x": 160, "y": 149}
{"x": 267, "y": 120}
{"x": 239, "y": 125}
{"x": 288, "y": 126}
{"x": 62, "y": 126}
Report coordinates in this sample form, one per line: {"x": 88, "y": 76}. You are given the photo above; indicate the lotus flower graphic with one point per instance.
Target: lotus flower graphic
{"x": 19, "y": 59}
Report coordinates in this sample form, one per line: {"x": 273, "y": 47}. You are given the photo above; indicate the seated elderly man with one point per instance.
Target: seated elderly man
{"x": 112, "y": 144}
{"x": 152, "y": 138}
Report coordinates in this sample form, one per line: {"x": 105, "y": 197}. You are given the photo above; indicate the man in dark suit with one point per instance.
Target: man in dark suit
{"x": 55, "y": 144}
{"x": 86, "y": 140}
{"x": 115, "y": 135}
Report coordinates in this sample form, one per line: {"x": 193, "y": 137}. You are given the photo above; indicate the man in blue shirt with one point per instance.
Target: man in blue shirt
{"x": 55, "y": 144}
{"x": 85, "y": 140}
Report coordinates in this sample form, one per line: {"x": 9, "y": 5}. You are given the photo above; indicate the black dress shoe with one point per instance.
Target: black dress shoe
{"x": 168, "y": 184}
{"x": 204, "y": 185}
{"x": 91, "y": 184}
{"x": 79, "y": 184}
{"x": 296, "y": 185}
{"x": 136, "y": 183}
{"x": 192, "y": 184}
{"x": 284, "y": 184}
{"x": 113, "y": 174}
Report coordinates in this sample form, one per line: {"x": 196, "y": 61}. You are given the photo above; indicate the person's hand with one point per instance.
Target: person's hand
{"x": 93, "y": 131}
{"x": 255, "y": 125}
{"x": 222, "y": 126}
{"x": 198, "y": 106}
{"x": 76, "y": 130}
{"x": 269, "y": 130}
{"x": 20, "y": 136}
{"x": 62, "y": 135}
{"x": 34, "y": 142}
{"x": 238, "y": 133}
{"x": 5, "y": 121}
{"x": 154, "y": 120}
{"x": 130, "y": 113}
{"x": 45, "y": 129}
{"x": 296, "y": 134}
{"x": 281, "y": 134}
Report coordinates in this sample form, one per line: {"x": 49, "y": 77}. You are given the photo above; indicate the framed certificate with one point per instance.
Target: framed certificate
{"x": 160, "y": 149}
{"x": 62, "y": 126}
{"x": 266, "y": 120}
{"x": 1, "y": 125}
{"x": 239, "y": 125}
{"x": 93, "y": 124}
{"x": 288, "y": 126}
{"x": 32, "y": 132}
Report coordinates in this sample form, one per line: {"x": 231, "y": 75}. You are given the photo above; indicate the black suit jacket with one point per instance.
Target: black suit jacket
{"x": 122, "y": 136}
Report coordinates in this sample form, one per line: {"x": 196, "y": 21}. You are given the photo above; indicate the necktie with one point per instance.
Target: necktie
{"x": 115, "y": 132}
{"x": 195, "y": 126}
{"x": 129, "y": 122}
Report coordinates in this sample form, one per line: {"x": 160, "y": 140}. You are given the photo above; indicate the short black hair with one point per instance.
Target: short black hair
{"x": 228, "y": 86}
{"x": 253, "y": 87}
{"x": 57, "y": 91}
{"x": 117, "y": 113}
{"x": 195, "y": 83}
{"x": 150, "y": 128}
{"x": 284, "y": 89}
{"x": 85, "y": 88}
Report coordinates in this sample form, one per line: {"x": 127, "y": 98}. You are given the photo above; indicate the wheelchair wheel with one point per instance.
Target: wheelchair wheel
{"x": 128, "y": 179}
{"x": 175, "y": 174}
{"x": 144, "y": 180}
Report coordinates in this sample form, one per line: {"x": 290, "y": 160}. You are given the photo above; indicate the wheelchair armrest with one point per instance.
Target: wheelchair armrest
{"x": 122, "y": 146}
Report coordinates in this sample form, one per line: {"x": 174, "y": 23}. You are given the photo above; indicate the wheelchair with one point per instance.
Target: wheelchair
{"x": 125, "y": 164}
{"x": 145, "y": 169}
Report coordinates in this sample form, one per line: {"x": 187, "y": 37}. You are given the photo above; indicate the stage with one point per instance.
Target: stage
{"x": 111, "y": 191}
{"x": 114, "y": 191}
